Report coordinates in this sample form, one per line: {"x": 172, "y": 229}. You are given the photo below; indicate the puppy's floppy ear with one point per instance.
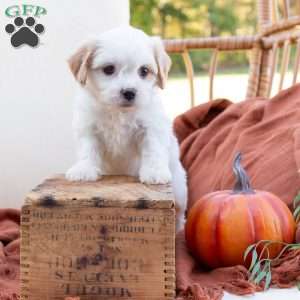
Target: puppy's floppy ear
{"x": 163, "y": 61}
{"x": 81, "y": 60}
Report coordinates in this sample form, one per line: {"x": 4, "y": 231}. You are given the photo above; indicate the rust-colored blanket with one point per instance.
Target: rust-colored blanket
{"x": 267, "y": 132}
{"x": 9, "y": 254}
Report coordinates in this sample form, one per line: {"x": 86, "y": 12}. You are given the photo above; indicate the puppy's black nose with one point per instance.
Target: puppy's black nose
{"x": 128, "y": 94}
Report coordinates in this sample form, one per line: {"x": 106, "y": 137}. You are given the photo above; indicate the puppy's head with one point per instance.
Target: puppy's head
{"x": 122, "y": 68}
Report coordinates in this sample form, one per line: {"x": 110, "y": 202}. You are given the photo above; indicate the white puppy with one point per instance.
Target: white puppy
{"x": 119, "y": 121}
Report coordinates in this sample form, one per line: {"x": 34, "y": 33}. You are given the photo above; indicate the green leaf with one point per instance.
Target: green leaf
{"x": 248, "y": 250}
{"x": 255, "y": 270}
{"x": 264, "y": 271}
{"x": 254, "y": 259}
{"x": 295, "y": 247}
{"x": 296, "y": 200}
{"x": 296, "y": 212}
{"x": 265, "y": 248}
{"x": 268, "y": 280}
{"x": 298, "y": 285}
{"x": 260, "y": 277}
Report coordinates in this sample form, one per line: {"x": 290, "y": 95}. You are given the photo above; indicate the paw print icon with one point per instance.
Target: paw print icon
{"x": 24, "y": 32}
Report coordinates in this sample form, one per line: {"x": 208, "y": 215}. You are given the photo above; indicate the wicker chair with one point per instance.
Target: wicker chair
{"x": 275, "y": 32}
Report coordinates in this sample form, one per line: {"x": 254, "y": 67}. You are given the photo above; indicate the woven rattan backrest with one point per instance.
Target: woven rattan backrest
{"x": 276, "y": 32}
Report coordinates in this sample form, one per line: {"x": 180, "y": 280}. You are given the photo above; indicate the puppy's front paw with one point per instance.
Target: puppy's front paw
{"x": 155, "y": 175}
{"x": 83, "y": 171}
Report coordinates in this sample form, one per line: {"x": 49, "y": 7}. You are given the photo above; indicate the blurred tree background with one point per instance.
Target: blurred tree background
{"x": 194, "y": 18}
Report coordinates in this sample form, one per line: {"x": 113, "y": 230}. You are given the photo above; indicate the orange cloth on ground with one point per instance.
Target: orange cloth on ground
{"x": 9, "y": 254}
{"x": 266, "y": 132}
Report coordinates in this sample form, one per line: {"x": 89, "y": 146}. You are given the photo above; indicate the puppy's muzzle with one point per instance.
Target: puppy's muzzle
{"x": 128, "y": 97}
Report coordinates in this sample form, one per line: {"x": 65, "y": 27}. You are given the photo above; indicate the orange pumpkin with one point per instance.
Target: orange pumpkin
{"x": 221, "y": 225}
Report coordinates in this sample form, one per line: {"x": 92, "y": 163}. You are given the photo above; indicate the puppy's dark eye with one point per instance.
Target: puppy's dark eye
{"x": 144, "y": 71}
{"x": 109, "y": 69}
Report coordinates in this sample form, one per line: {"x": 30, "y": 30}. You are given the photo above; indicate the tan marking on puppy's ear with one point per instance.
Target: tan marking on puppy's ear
{"x": 163, "y": 61}
{"x": 81, "y": 60}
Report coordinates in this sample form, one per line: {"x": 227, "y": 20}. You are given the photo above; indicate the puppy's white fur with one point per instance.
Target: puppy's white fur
{"x": 113, "y": 138}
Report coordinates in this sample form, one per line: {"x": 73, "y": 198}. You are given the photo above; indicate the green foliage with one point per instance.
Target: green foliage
{"x": 194, "y": 18}
{"x": 260, "y": 267}
{"x": 296, "y": 207}
{"x": 143, "y": 14}
{"x": 191, "y": 18}
{"x": 222, "y": 18}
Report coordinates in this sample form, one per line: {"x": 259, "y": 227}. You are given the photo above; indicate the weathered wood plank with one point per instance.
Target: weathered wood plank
{"x": 110, "y": 191}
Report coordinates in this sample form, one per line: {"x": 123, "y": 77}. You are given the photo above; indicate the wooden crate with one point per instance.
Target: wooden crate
{"x": 111, "y": 239}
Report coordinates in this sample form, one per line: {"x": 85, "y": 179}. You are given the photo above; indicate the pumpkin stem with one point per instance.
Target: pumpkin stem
{"x": 242, "y": 184}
